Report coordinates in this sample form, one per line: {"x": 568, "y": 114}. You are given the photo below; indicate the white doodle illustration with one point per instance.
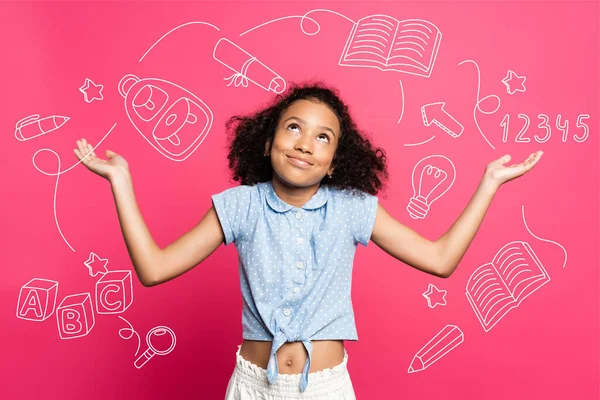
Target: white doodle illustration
{"x": 562, "y": 126}
{"x": 33, "y": 126}
{"x": 542, "y": 239}
{"x": 131, "y": 332}
{"x": 402, "y": 95}
{"x": 302, "y": 19}
{"x": 37, "y": 299}
{"x": 520, "y": 138}
{"x": 419, "y": 143}
{"x": 434, "y": 113}
{"x": 480, "y": 101}
{"x": 57, "y": 174}
{"x": 114, "y": 292}
{"x": 501, "y": 285}
{"x": 246, "y": 67}
{"x": 173, "y": 30}
{"x": 583, "y": 125}
{"x": 161, "y": 341}
{"x": 542, "y": 125}
{"x": 96, "y": 265}
{"x": 383, "y": 42}
{"x": 173, "y": 120}
{"x": 513, "y": 82}
{"x": 441, "y": 344}
{"x": 435, "y": 296}
{"x": 75, "y": 316}
{"x": 431, "y": 178}
{"x": 91, "y": 91}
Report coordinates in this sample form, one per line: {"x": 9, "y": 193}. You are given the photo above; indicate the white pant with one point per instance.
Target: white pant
{"x": 249, "y": 382}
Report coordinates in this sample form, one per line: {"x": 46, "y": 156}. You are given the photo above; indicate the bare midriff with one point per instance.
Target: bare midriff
{"x": 291, "y": 356}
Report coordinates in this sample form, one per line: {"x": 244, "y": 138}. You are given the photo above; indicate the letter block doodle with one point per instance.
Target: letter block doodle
{"x": 37, "y": 299}
{"x": 114, "y": 292}
{"x": 75, "y": 316}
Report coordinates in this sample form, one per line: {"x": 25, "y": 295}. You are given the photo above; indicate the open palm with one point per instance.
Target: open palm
{"x": 105, "y": 168}
{"x": 499, "y": 173}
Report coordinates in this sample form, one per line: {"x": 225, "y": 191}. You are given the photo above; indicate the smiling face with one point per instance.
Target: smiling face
{"x": 305, "y": 141}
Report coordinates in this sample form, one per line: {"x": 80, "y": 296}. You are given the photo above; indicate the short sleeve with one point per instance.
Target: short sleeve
{"x": 364, "y": 210}
{"x": 233, "y": 208}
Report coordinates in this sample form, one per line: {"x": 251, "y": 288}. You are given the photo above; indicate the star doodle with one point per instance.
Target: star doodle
{"x": 96, "y": 265}
{"x": 435, "y": 296}
{"x": 514, "y": 83}
{"x": 91, "y": 91}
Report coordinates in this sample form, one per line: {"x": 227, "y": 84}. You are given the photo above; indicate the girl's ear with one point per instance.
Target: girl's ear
{"x": 267, "y": 148}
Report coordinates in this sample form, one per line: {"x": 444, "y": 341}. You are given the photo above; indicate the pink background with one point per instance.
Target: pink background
{"x": 547, "y": 348}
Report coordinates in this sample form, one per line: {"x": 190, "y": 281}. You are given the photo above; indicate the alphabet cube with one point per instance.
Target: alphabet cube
{"x": 75, "y": 316}
{"x": 37, "y": 299}
{"x": 114, "y": 292}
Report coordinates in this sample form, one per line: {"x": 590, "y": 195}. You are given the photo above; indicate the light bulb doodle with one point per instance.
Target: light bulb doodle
{"x": 431, "y": 178}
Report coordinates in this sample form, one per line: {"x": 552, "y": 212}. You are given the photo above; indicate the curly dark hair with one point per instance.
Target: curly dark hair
{"x": 358, "y": 165}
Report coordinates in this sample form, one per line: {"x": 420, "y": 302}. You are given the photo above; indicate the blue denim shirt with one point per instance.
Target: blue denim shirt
{"x": 295, "y": 263}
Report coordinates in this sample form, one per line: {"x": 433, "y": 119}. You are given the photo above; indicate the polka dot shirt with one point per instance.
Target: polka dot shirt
{"x": 295, "y": 263}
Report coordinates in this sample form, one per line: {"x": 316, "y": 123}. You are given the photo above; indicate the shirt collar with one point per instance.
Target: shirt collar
{"x": 317, "y": 200}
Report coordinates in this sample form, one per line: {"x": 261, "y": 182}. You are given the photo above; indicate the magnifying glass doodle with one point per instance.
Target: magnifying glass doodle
{"x": 157, "y": 334}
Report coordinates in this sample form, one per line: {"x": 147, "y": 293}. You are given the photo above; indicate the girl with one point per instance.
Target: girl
{"x": 307, "y": 198}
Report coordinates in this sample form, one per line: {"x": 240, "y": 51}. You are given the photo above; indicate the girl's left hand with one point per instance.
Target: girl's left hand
{"x": 497, "y": 173}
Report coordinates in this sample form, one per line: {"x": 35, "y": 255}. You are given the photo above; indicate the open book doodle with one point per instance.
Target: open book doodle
{"x": 381, "y": 41}
{"x": 497, "y": 287}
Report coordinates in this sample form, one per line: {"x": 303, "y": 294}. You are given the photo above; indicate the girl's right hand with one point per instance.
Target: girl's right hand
{"x": 108, "y": 169}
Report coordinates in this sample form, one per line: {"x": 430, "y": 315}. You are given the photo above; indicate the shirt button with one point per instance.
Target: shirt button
{"x": 298, "y": 215}
{"x": 300, "y": 240}
{"x": 299, "y": 265}
{"x": 287, "y": 312}
{"x": 296, "y": 289}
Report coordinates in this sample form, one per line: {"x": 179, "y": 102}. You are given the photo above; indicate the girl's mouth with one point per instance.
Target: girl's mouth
{"x": 298, "y": 163}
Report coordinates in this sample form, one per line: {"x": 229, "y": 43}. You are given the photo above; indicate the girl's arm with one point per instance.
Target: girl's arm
{"x": 152, "y": 264}
{"x": 441, "y": 257}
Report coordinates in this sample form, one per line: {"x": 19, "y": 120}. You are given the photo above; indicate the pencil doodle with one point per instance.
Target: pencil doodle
{"x": 33, "y": 126}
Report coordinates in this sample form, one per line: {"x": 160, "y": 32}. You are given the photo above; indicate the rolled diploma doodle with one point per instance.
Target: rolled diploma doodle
{"x": 246, "y": 67}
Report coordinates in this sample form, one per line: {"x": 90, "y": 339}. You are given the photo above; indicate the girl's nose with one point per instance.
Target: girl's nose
{"x": 304, "y": 144}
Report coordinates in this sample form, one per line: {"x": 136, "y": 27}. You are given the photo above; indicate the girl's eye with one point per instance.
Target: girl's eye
{"x": 324, "y": 136}
{"x": 293, "y": 126}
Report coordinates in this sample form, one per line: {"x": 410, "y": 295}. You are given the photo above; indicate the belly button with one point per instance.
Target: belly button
{"x": 288, "y": 361}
